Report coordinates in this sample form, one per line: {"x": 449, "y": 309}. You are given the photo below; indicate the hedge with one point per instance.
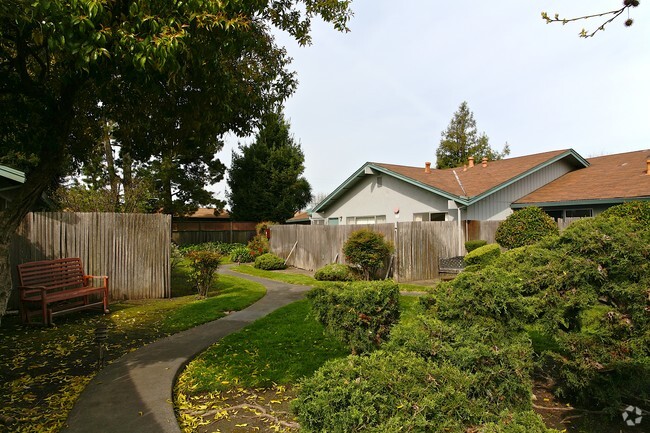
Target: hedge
{"x": 483, "y": 255}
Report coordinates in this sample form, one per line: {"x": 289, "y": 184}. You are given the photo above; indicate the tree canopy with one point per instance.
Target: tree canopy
{"x": 173, "y": 75}
{"x": 461, "y": 140}
{"x": 265, "y": 180}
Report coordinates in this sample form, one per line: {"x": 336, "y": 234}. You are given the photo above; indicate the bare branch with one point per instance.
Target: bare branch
{"x": 612, "y": 16}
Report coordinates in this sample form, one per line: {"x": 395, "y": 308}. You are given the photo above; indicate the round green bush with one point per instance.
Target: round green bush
{"x": 241, "y": 254}
{"x": 483, "y": 255}
{"x": 269, "y": 262}
{"x": 472, "y": 245}
{"x": 368, "y": 250}
{"x": 525, "y": 227}
{"x": 334, "y": 272}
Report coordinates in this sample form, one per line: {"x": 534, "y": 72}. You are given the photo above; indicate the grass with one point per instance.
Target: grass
{"x": 280, "y": 348}
{"x": 257, "y": 370}
{"x": 43, "y": 370}
{"x": 288, "y": 278}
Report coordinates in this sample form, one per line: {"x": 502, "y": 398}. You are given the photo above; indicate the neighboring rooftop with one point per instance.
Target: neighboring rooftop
{"x": 622, "y": 176}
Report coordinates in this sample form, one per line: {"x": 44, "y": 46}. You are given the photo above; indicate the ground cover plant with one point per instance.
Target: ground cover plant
{"x": 43, "y": 370}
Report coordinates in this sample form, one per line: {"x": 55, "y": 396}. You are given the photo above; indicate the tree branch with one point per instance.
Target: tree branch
{"x": 583, "y": 33}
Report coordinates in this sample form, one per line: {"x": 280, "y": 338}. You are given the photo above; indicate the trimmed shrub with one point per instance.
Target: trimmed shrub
{"x": 360, "y": 314}
{"x": 483, "y": 255}
{"x": 269, "y": 262}
{"x": 368, "y": 250}
{"x": 204, "y": 266}
{"x": 384, "y": 392}
{"x": 241, "y": 254}
{"x": 334, "y": 272}
{"x": 472, "y": 245}
{"x": 525, "y": 227}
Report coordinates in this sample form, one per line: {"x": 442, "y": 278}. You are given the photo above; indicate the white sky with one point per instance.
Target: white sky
{"x": 385, "y": 91}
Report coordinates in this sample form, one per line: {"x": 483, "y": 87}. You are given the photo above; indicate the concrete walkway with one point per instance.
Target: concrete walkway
{"x": 134, "y": 393}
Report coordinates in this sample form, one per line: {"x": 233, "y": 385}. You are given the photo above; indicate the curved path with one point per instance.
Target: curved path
{"x": 134, "y": 393}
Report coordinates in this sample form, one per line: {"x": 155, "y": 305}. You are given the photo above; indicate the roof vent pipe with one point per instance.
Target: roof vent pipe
{"x": 484, "y": 162}
{"x": 471, "y": 161}
{"x": 427, "y": 167}
{"x": 647, "y": 163}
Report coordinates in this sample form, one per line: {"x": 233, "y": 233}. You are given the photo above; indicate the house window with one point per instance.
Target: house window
{"x": 578, "y": 213}
{"x": 373, "y": 219}
{"x": 430, "y": 216}
{"x": 318, "y": 222}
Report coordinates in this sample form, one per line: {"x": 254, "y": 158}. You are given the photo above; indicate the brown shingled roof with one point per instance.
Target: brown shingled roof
{"x": 478, "y": 179}
{"x": 619, "y": 176}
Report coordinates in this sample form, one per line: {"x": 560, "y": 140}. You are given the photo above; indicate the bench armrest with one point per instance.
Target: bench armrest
{"x": 32, "y": 289}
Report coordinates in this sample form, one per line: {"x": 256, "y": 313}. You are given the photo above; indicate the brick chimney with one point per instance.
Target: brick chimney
{"x": 427, "y": 167}
{"x": 471, "y": 161}
{"x": 484, "y": 162}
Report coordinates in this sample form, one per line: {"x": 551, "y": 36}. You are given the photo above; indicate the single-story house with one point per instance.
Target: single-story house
{"x": 562, "y": 182}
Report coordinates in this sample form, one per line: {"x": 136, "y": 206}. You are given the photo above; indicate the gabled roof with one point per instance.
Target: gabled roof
{"x": 463, "y": 185}
{"x": 299, "y": 217}
{"x": 608, "y": 179}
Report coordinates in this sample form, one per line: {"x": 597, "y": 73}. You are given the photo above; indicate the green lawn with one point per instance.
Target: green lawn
{"x": 43, "y": 370}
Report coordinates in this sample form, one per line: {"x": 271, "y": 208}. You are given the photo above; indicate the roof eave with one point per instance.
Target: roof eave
{"x": 361, "y": 172}
{"x": 585, "y": 202}
{"x": 12, "y": 174}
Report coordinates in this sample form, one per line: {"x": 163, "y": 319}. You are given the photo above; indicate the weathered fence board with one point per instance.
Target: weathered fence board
{"x": 132, "y": 249}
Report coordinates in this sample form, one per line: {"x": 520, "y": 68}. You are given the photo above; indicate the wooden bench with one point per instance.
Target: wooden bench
{"x": 52, "y": 287}
{"x": 449, "y": 267}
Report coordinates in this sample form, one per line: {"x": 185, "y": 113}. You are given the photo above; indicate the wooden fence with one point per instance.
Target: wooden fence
{"x": 418, "y": 245}
{"x": 132, "y": 249}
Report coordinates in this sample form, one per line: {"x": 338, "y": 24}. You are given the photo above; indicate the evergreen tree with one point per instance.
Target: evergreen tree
{"x": 265, "y": 180}
{"x": 461, "y": 140}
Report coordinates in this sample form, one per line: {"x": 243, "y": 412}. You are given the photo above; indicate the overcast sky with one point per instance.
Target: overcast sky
{"x": 386, "y": 90}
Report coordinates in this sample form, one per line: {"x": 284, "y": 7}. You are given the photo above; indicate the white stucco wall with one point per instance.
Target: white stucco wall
{"x": 367, "y": 198}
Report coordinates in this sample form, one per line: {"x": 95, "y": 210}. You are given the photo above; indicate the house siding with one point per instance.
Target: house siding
{"x": 497, "y": 206}
{"x": 367, "y": 198}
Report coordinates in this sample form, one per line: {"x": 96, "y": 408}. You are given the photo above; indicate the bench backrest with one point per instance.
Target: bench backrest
{"x": 52, "y": 274}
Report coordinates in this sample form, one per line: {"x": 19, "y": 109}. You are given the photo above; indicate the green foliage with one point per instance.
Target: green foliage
{"x": 334, "y": 272}
{"x": 461, "y": 140}
{"x": 222, "y": 248}
{"x": 258, "y": 245}
{"x": 472, "y": 245}
{"x": 269, "y": 262}
{"x": 517, "y": 422}
{"x": 204, "y": 266}
{"x": 241, "y": 254}
{"x": 368, "y": 250}
{"x": 525, "y": 227}
{"x": 360, "y": 314}
{"x": 384, "y": 392}
{"x": 266, "y": 180}
{"x": 175, "y": 256}
{"x": 483, "y": 255}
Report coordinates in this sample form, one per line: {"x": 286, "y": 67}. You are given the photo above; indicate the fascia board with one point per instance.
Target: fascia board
{"x": 602, "y": 201}
{"x": 375, "y": 168}
{"x": 528, "y": 172}
{"x": 12, "y": 174}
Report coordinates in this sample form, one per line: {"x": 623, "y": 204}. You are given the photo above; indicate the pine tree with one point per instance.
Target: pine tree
{"x": 461, "y": 140}
{"x": 265, "y": 180}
